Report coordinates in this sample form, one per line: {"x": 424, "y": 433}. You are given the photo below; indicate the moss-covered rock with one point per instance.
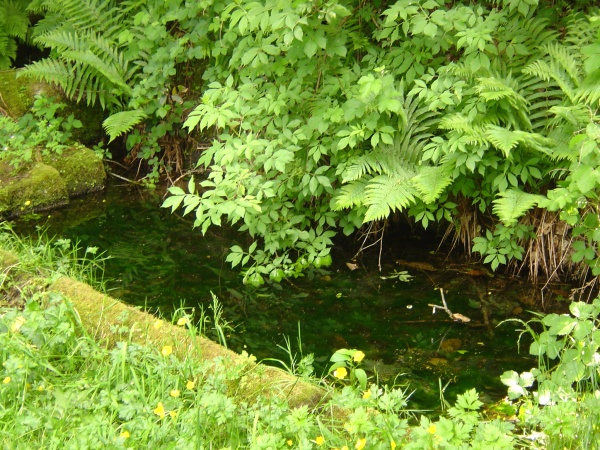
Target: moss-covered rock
{"x": 18, "y": 95}
{"x": 80, "y": 168}
{"x": 101, "y": 315}
{"x": 38, "y": 187}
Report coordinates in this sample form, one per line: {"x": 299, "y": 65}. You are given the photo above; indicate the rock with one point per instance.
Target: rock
{"x": 450, "y": 345}
{"x": 37, "y": 188}
{"x": 18, "y": 94}
{"x": 80, "y": 168}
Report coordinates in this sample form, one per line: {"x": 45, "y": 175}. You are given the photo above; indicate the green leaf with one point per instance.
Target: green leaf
{"x": 172, "y": 202}
{"x": 122, "y": 122}
{"x": 310, "y": 48}
{"x": 511, "y": 204}
{"x": 361, "y": 377}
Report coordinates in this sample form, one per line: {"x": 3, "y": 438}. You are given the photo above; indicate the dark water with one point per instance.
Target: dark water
{"x": 157, "y": 260}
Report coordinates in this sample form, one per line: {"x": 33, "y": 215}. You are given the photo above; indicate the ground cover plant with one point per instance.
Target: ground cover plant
{"x": 59, "y": 388}
{"x": 36, "y": 134}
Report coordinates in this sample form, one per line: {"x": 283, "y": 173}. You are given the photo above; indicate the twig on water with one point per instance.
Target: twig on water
{"x": 457, "y": 317}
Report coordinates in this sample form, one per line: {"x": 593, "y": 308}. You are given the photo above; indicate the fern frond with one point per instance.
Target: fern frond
{"x": 385, "y": 194}
{"x": 431, "y": 181}
{"x": 350, "y": 195}
{"x": 420, "y": 122}
{"x": 123, "y": 121}
{"x": 540, "y": 96}
{"x": 105, "y": 17}
{"x": 503, "y": 139}
{"x": 459, "y": 122}
{"x": 456, "y": 122}
{"x": 562, "y": 68}
{"x": 577, "y": 115}
{"x": 49, "y": 70}
{"x": 563, "y": 58}
{"x": 506, "y": 140}
{"x": 359, "y": 166}
{"x": 14, "y": 18}
{"x": 107, "y": 70}
{"x": 511, "y": 204}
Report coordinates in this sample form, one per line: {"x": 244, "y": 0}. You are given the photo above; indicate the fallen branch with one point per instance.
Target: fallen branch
{"x": 457, "y": 317}
{"x": 125, "y": 179}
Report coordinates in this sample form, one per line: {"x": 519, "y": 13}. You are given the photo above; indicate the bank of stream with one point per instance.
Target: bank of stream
{"x": 158, "y": 261}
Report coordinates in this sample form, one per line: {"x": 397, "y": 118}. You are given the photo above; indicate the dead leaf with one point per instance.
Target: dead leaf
{"x": 460, "y": 317}
{"x": 352, "y": 266}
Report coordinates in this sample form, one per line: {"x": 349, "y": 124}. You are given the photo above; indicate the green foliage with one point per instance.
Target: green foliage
{"x": 432, "y": 105}
{"x": 35, "y": 134}
{"x": 135, "y": 58}
{"x": 14, "y": 27}
{"x": 349, "y": 359}
{"x": 326, "y": 117}
{"x": 564, "y": 404}
{"x": 502, "y": 244}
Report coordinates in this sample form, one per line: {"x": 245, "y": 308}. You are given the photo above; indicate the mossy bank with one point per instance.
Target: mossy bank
{"x": 50, "y": 182}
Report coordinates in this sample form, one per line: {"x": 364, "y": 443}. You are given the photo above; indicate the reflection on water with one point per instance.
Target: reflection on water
{"x": 157, "y": 260}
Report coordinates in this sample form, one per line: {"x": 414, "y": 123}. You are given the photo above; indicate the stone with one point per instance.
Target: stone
{"x": 38, "y": 187}
{"x": 80, "y": 168}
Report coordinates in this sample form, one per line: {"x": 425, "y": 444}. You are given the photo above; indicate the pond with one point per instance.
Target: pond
{"x": 159, "y": 262}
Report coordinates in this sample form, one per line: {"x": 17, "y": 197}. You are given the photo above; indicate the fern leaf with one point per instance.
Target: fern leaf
{"x": 576, "y": 115}
{"x": 14, "y": 18}
{"x": 49, "y": 70}
{"x": 385, "y": 194}
{"x": 122, "y": 122}
{"x": 362, "y": 165}
{"x": 350, "y": 195}
{"x": 431, "y": 182}
{"x": 105, "y": 69}
{"x": 512, "y": 204}
{"x": 503, "y": 139}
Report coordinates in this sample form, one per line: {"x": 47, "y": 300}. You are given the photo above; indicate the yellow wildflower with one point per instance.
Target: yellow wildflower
{"x": 345, "y": 447}
{"x": 160, "y": 410}
{"x": 17, "y": 324}
{"x": 290, "y": 442}
{"x": 393, "y": 444}
{"x": 40, "y": 388}
{"x": 28, "y": 202}
{"x": 360, "y": 444}
{"x": 167, "y": 350}
{"x": 6, "y": 380}
{"x": 173, "y": 414}
{"x": 367, "y": 395}
{"x": 125, "y": 434}
{"x": 349, "y": 428}
{"x": 158, "y": 324}
{"x": 181, "y": 322}
{"x": 340, "y": 373}
{"x": 358, "y": 356}
{"x": 431, "y": 429}
{"x": 190, "y": 385}
{"x": 174, "y": 393}
{"x": 319, "y": 440}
